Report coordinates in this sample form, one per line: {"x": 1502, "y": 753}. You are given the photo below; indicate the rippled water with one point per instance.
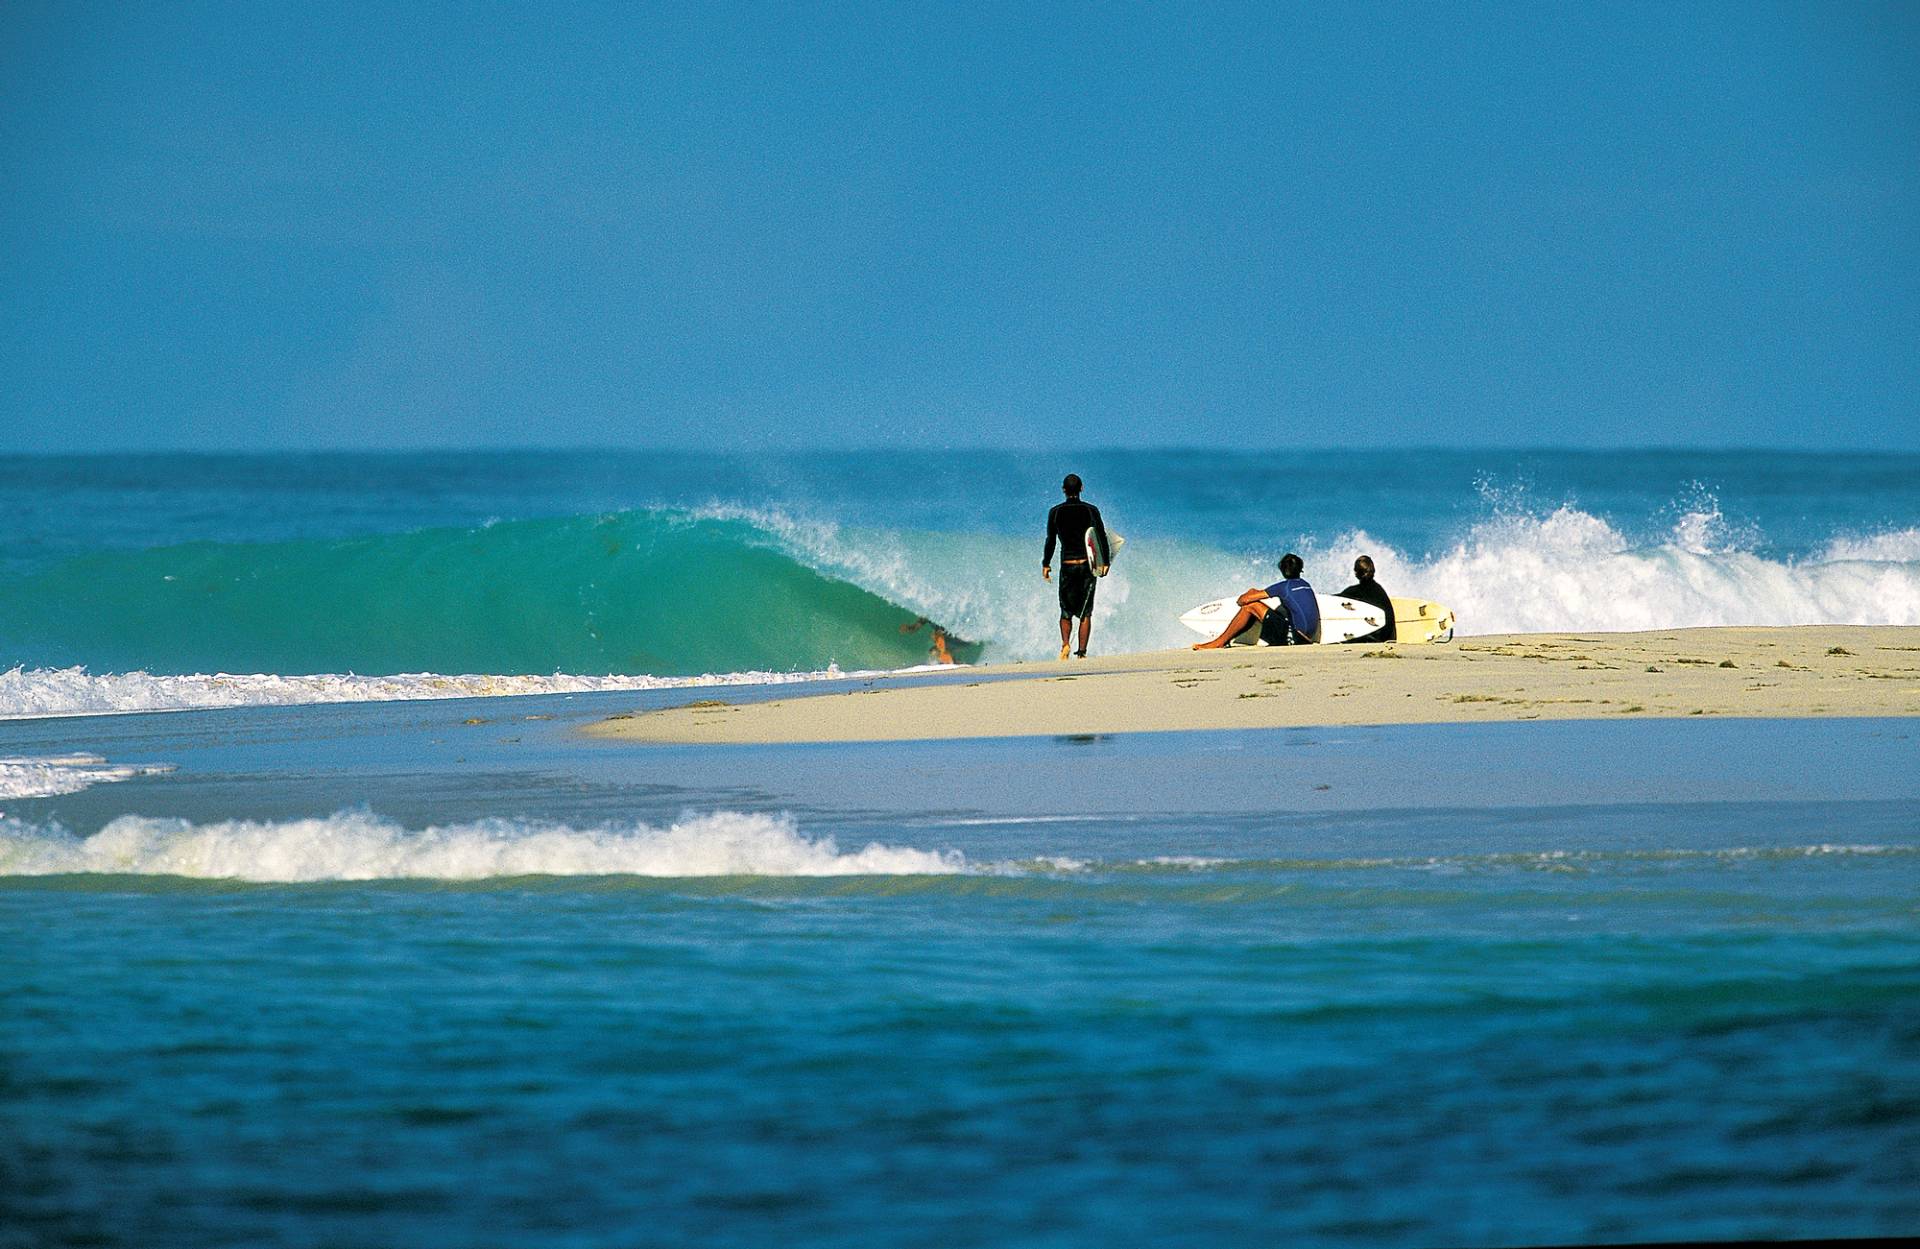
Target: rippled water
{"x": 444, "y": 975}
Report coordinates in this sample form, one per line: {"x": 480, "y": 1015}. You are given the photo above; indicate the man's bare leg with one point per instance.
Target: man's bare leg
{"x": 1066, "y": 635}
{"x": 1241, "y": 622}
{"x": 1086, "y": 631}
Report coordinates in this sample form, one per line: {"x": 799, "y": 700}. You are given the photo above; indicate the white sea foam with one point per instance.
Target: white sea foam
{"x": 1899, "y": 546}
{"x": 1571, "y": 571}
{"x": 354, "y": 845}
{"x": 34, "y": 692}
{"x": 1549, "y": 571}
{"x": 43, "y": 776}
{"x": 1557, "y": 570}
{"x": 985, "y": 587}
{"x": 360, "y": 846}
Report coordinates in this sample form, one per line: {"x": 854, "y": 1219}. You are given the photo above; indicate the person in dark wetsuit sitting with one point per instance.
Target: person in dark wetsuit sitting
{"x": 1293, "y": 621}
{"x": 1067, "y": 524}
{"x": 1367, "y": 590}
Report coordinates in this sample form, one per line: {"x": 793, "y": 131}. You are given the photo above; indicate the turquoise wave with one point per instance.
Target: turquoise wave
{"x": 653, "y": 592}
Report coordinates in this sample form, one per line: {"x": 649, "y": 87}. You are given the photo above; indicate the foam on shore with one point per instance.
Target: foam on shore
{"x": 37, "y": 692}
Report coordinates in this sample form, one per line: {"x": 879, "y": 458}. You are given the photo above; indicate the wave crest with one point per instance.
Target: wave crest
{"x": 353, "y": 845}
{"x": 1553, "y": 569}
{"x": 725, "y": 595}
{"x": 654, "y": 592}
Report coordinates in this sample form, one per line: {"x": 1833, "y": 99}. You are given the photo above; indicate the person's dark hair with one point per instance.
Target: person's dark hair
{"x": 1290, "y": 565}
{"x": 1072, "y": 484}
{"x": 1363, "y": 568}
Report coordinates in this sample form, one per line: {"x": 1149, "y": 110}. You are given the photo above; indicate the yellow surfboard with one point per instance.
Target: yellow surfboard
{"x": 1418, "y": 620}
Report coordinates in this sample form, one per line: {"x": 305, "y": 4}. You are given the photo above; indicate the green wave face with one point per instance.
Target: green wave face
{"x": 638, "y": 592}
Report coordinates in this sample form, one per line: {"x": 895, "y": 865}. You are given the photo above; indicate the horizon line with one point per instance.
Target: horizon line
{"x": 593, "y": 448}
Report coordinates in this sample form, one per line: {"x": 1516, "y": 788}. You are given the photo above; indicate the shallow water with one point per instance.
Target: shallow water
{"x": 496, "y": 984}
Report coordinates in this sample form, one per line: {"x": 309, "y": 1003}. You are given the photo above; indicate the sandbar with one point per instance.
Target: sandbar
{"x": 1794, "y": 671}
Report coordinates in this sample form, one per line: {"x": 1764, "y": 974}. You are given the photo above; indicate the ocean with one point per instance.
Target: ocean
{"x": 134, "y": 583}
{"x": 323, "y": 924}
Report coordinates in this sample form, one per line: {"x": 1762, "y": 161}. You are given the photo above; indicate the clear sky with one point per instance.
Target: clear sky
{"x": 258, "y": 226}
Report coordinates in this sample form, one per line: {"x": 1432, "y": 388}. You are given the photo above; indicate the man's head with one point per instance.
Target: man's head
{"x": 1071, "y": 485}
{"x": 1363, "y": 568}
{"x": 1290, "y": 565}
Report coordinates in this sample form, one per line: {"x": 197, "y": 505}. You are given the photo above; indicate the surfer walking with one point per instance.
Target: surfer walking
{"x": 1292, "y": 620}
{"x": 1366, "y": 590}
{"x": 1069, "y": 523}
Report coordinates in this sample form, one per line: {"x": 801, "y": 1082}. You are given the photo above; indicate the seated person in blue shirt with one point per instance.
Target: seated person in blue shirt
{"x": 1293, "y": 620}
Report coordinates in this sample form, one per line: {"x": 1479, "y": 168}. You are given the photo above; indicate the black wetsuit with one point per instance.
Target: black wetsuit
{"x": 1369, "y": 591}
{"x": 1068, "y": 523}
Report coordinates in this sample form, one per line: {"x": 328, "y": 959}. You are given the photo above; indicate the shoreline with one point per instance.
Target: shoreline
{"x": 1797, "y": 671}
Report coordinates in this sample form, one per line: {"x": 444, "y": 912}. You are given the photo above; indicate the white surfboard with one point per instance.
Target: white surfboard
{"x": 1209, "y": 618}
{"x": 1341, "y": 619}
{"x": 1114, "y": 543}
{"x": 1344, "y": 619}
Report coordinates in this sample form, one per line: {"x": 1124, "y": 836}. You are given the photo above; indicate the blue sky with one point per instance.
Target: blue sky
{"x": 262, "y": 226}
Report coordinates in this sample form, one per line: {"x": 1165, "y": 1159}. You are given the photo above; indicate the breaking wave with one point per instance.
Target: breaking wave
{"x": 360, "y": 846}
{"x": 659, "y": 593}
{"x": 1564, "y": 569}
{"x": 1572, "y": 571}
{"x": 43, "y": 776}
{"x": 652, "y": 597}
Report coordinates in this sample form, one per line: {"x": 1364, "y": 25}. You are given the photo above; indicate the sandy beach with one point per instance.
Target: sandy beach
{"x": 1748, "y": 672}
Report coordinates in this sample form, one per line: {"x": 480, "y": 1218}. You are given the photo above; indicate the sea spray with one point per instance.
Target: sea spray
{"x": 1562, "y": 570}
{"x": 1572, "y": 571}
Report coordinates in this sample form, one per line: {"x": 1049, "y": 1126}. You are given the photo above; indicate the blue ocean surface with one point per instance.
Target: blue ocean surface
{"x": 449, "y": 973}
{"x": 148, "y": 582}
{"x": 338, "y": 931}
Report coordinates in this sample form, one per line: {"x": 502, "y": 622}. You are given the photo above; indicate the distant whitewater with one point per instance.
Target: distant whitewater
{"x": 139, "y": 583}
{"x": 27, "y": 692}
{"x": 360, "y": 846}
